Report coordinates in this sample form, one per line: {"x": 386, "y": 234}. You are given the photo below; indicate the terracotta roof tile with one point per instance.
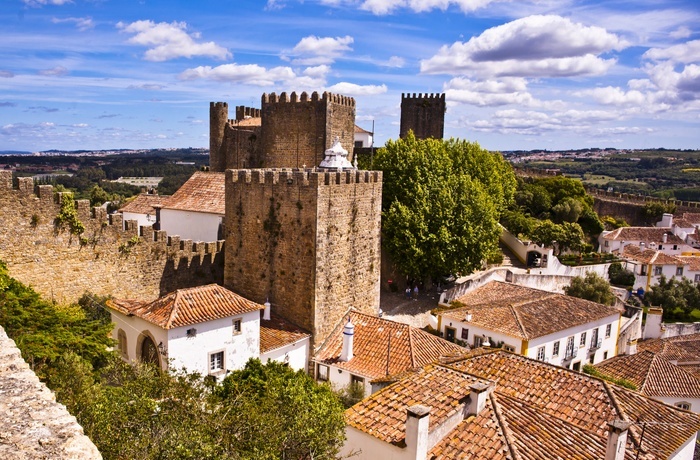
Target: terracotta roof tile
{"x": 649, "y": 256}
{"x": 684, "y": 349}
{"x": 524, "y": 312}
{"x": 535, "y": 411}
{"x": 203, "y": 192}
{"x": 277, "y": 332}
{"x": 645, "y": 234}
{"x": 143, "y": 204}
{"x": 186, "y": 307}
{"x": 410, "y": 347}
{"x": 693, "y": 262}
{"x": 693, "y": 217}
{"x": 653, "y": 375}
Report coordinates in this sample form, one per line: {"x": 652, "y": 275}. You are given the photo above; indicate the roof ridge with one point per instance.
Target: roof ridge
{"x": 504, "y": 428}
{"x": 173, "y": 310}
{"x": 410, "y": 347}
{"x": 621, "y": 413}
{"x": 519, "y": 322}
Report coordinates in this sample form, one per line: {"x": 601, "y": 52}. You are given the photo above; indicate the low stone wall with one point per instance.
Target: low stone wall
{"x": 33, "y": 425}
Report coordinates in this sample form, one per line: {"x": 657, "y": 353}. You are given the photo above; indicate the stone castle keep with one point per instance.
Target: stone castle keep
{"x": 424, "y": 114}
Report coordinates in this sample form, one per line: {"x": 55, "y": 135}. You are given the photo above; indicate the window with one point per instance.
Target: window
{"x": 643, "y": 270}
{"x": 675, "y": 247}
{"x": 605, "y": 356}
{"x": 121, "y": 344}
{"x": 591, "y": 358}
{"x": 594, "y": 339}
{"x": 570, "y": 350}
{"x": 607, "y": 243}
{"x": 509, "y": 348}
{"x": 608, "y": 329}
{"x": 555, "y": 349}
{"x": 356, "y": 380}
{"x": 577, "y": 366}
{"x": 697, "y": 278}
{"x": 322, "y": 373}
{"x": 358, "y": 144}
{"x": 679, "y": 271}
{"x": 465, "y": 334}
{"x": 478, "y": 340}
{"x": 657, "y": 270}
{"x": 216, "y": 362}
{"x": 237, "y": 326}
{"x": 683, "y": 405}
{"x": 582, "y": 342}
{"x": 450, "y": 333}
{"x": 660, "y": 247}
{"x": 540, "y": 354}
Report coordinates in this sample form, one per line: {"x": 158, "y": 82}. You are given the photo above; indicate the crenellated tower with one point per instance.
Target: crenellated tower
{"x": 424, "y": 114}
{"x": 218, "y": 119}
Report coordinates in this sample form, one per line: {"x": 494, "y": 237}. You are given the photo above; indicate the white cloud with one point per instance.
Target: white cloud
{"x": 681, "y": 32}
{"x": 6, "y": 74}
{"x": 38, "y": 3}
{"x": 381, "y": 7}
{"x": 54, "y": 72}
{"x": 489, "y": 92}
{"x": 251, "y": 74}
{"x": 610, "y": 95}
{"x": 395, "y": 62}
{"x": 81, "y": 24}
{"x": 535, "y": 46}
{"x": 351, "y": 89}
{"x": 147, "y": 86}
{"x": 684, "y": 53}
{"x": 170, "y": 41}
{"x": 80, "y": 125}
{"x": 314, "y": 50}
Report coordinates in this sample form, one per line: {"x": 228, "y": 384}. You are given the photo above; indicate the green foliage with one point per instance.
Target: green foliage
{"x": 351, "y": 394}
{"x": 612, "y": 223}
{"x": 653, "y": 211}
{"x": 441, "y": 204}
{"x": 619, "y": 276}
{"x": 44, "y": 331}
{"x": 591, "y": 370}
{"x": 274, "y": 412}
{"x": 679, "y": 299}
{"x": 566, "y": 235}
{"x": 68, "y": 215}
{"x": 125, "y": 248}
{"x": 593, "y": 287}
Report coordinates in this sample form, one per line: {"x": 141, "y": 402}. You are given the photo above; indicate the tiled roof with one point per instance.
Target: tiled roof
{"x": 524, "y": 312}
{"x": 693, "y": 217}
{"x": 143, "y": 204}
{"x": 652, "y": 375}
{"x": 410, "y": 347}
{"x": 186, "y": 307}
{"x": 682, "y": 222}
{"x": 203, "y": 192}
{"x": 645, "y": 234}
{"x": 277, "y": 333}
{"x": 649, "y": 256}
{"x": 693, "y": 262}
{"x": 359, "y": 130}
{"x": 684, "y": 349}
{"x": 536, "y": 410}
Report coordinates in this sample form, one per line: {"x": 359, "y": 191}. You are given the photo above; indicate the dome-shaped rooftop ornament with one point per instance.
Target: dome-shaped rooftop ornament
{"x": 336, "y": 157}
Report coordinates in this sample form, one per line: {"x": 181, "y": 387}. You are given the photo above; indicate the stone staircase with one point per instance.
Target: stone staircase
{"x": 509, "y": 259}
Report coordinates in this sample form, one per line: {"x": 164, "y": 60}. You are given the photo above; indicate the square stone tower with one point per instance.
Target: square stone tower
{"x": 424, "y": 114}
{"x": 306, "y": 239}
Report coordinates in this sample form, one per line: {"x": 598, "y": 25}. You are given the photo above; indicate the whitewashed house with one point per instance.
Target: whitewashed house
{"x": 650, "y": 265}
{"x": 142, "y": 209}
{"x": 363, "y": 138}
{"x": 196, "y": 211}
{"x": 556, "y": 328}
{"x": 365, "y": 348}
{"x": 207, "y": 329}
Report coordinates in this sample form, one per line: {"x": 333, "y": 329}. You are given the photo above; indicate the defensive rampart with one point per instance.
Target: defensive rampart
{"x": 136, "y": 262}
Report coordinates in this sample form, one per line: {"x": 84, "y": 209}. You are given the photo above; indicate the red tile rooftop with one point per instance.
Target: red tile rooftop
{"x": 203, "y": 192}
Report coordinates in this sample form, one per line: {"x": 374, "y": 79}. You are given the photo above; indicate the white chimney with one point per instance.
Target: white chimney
{"x": 631, "y": 347}
{"x": 348, "y": 337}
{"x": 468, "y": 316}
{"x": 617, "y": 438}
{"x": 417, "y": 421}
{"x": 666, "y": 221}
{"x": 478, "y": 394}
{"x": 664, "y": 238}
{"x": 266, "y": 311}
{"x": 653, "y": 324}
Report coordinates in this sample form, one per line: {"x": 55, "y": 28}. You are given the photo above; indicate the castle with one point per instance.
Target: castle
{"x": 424, "y": 114}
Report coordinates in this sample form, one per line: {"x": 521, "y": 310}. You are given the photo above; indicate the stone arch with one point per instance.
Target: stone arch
{"x": 147, "y": 349}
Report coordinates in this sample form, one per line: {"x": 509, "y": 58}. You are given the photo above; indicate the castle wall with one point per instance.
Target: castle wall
{"x": 306, "y": 240}
{"x": 241, "y": 147}
{"x": 424, "y": 114}
{"x": 104, "y": 260}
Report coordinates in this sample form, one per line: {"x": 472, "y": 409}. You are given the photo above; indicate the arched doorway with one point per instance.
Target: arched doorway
{"x": 149, "y": 351}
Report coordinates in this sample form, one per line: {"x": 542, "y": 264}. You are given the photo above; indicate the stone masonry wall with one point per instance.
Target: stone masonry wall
{"x": 424, "y": 114}
{"x": 33, "y": 425}
{"x": 106, "y": 260}
{"x": 306, "y": 240}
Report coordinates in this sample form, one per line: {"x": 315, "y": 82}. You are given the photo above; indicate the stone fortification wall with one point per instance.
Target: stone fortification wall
{"x": 33, "y": 424}
{"x": 424, "y": 114}
{"x": 297, "y": 129}
{"x": 307, "y": 240}
{"x": 137, "y": 262}
{"x": 629, "y": 206}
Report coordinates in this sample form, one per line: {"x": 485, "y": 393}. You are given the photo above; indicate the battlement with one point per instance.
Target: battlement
{"x": 302, "y": 177}
{"x": 218, "y": 105}
{"x": 429, "y": 96}
{"x": 243, "y": 112}
{"x": 273, "y": 98}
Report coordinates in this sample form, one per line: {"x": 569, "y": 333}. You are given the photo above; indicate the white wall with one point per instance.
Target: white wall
{"x": 295, "y": 354}
{"x": 685, "y": 452}
{"x": 672, "y": 401}
{"x": 365, "y": 138}
{"x": 142, "y": 220}
{"x": 134, "y": 327}
{"x": 367, "y": 447}
{"x": 192, "y": 353}
{"x": 195, "y": 226}
{"x": 340, "y": 378}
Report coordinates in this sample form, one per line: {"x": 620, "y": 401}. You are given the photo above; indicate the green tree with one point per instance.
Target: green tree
{"x": 620, "y": 276}
{"x": 593, "y": 287}
{"x": 275, "y": 412}
{"x": 679, "y": 299}
{"x": 567, "y": 210}
{"x": 653, "y": 211}
{"x": 441, "y": 204}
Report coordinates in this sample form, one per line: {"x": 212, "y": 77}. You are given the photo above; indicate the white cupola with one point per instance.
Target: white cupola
{"x": 336, "y": 157}
{"x": 266, "y": 311}
{"x": 348, "y": 337}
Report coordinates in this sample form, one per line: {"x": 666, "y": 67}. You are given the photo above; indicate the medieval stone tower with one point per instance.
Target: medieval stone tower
{"x": 424, "y": 114}
{"x": 288, "y": 131}
{"x": 305, "y": 238}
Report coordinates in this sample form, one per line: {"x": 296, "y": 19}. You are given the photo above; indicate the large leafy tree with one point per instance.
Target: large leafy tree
{"x": 441, "y": 204}
{"x": 679, "y": 299}
{"x": 593, "y": 287}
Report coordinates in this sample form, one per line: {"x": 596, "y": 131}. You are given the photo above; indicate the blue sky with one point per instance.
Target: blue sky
{"x": 549, "y": 74}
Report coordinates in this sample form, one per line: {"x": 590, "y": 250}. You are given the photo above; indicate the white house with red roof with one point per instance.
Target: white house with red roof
{"x": 142, "y": 209}
{"x": 196, "y": 211}
{"x": 365, "y": 348}
{"x": 649, "y": 265}
{"x": 207, "y": 329}
{"x": 547, "y": 326}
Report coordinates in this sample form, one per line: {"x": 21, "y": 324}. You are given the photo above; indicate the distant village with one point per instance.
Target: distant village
{"x": 492, "y": 366}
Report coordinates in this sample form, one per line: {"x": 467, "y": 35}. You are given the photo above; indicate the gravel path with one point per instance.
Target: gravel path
{"x": 414, "y": 311}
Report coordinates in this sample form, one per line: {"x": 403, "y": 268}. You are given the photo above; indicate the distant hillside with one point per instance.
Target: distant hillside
{"x": 14, "y": 152}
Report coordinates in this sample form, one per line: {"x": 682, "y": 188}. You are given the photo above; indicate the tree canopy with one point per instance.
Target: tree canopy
{"x": 593, "y": 287}
{"x": 679, "y": 299}
{"x": 441, "y": 204}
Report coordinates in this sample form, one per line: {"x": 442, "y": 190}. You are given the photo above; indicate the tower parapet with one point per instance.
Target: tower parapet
{"x": 424, "y": 114}
{"x": 218, "y": 119}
